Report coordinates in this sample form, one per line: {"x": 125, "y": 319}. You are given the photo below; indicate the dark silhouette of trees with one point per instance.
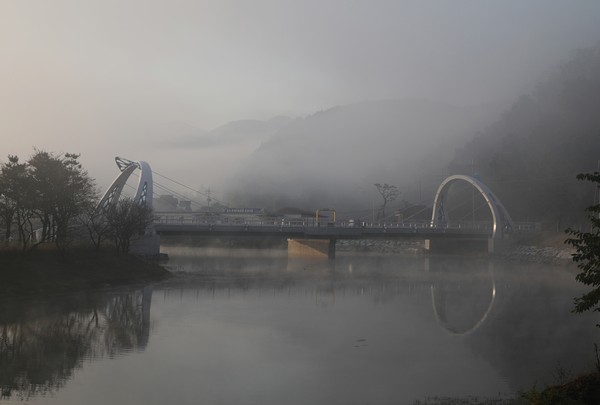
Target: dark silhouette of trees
{"x": 7, "y": 208}
{"x": 61, "y": 190}
{"x": 587, "y": 256}
{"x": 388, "y": 193}
{"x": 17, "y": 198}
{"x": 51, "y": 199}
{"x": 42, "y": 197}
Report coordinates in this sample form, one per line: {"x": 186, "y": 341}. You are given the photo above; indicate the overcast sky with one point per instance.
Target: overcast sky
{"x": 96, "y": 77}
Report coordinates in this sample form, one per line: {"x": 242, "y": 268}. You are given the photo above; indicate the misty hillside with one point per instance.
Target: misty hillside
{"x": 235, "y": 132}
{"x": 333, "y": 158}
{"x": 531, "y": 155}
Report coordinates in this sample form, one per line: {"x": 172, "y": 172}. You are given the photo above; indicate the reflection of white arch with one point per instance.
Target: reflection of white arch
{"x": 143, "y": 194}
{"x": 442, "y": 321}
{"x": 502, "y": 220}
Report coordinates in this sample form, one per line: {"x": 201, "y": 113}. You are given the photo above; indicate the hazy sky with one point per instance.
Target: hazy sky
{"x": 96, "y": 77}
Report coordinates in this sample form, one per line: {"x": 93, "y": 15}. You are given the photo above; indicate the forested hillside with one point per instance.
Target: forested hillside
{"x": 531, "y": 155}
{"x": 333, "y": 158}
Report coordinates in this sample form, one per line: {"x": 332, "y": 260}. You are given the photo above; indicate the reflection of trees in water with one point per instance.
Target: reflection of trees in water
{"x": 127, "y": 322}
{"x": 41, "y": 343}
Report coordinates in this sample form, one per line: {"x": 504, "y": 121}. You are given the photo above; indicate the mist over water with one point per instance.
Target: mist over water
{"x": 286, "y": 108}
{"x": 251, "y": 326}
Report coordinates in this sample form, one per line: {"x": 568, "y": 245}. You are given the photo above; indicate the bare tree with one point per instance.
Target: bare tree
{"x": 127, "y": 221}
{"x": 388, "y": 193}
{"x": 96, "y": 224}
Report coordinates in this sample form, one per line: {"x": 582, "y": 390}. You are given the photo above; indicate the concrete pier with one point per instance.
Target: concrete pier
{"x": 147, "y": 245}
{"x": 311, "y": 248}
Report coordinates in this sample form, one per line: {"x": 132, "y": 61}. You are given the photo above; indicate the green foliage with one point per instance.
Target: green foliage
{"x": 587, "y": 256}
{"x": 583, "y": 390}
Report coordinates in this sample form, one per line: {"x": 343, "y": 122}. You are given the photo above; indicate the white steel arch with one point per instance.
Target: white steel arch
{"x": 144, "y": 192}
{"x": 502, "y": 222}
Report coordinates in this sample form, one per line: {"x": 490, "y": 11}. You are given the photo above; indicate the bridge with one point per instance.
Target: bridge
{"x": 408, "y": 230}
{"x": 439, "y": 233}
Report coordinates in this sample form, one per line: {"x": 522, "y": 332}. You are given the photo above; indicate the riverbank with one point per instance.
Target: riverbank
{"x": 46, "y": 270}
{"x": 543, "y": 247}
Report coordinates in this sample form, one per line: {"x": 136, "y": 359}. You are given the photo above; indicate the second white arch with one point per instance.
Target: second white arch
{"x": 502, "y": 222}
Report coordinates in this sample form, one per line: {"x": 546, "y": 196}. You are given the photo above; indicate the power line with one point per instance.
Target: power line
{"x": 172, "y": 192}
{"x": 209, "y": 195}
{"x": 476, "y": 209}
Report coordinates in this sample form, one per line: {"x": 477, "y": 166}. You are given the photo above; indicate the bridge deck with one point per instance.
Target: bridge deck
{"x": 314, "y": 232}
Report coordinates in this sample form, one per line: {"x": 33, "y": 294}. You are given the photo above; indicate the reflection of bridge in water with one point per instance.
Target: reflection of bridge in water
{"x": 309, "y": 239}
{"x": 519, "y": 340}
{"x": 462, "y": 307}
{"x": 462, "y": 292}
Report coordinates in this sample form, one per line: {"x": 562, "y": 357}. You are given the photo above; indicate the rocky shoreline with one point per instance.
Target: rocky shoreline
{"x": 408, "y": 247}
{"x": 519, "y": 251}
{"x": 537, "y": 254}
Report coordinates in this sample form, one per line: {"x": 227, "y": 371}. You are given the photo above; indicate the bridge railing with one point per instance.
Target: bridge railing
{"x": 287, "y": 222}
{"x": 282, "y": 222}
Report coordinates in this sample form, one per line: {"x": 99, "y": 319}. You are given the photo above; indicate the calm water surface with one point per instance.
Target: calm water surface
{"x": 251, "y": 327}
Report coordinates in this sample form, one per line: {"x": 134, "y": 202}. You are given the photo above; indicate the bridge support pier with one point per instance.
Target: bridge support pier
{"x": 311, "y": 248}
{"x": 147, "y": 245}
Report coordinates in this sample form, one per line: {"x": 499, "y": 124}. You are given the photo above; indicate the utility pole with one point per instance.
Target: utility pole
{"x": 473, "y": 194}
{"x": 208, "y": 199}
{"x": 597, "y": 192}
{"x": 373, "y": 210}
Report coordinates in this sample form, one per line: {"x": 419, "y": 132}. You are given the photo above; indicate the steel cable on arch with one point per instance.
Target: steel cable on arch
{"x": 192, "y": 189}
{"x": 367, "y": 213}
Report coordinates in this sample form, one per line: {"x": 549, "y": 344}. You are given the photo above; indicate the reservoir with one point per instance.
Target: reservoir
{"x": 235, "y": 326}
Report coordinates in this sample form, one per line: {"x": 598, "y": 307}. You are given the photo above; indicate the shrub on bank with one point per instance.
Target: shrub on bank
{"x": 584, "y": 390}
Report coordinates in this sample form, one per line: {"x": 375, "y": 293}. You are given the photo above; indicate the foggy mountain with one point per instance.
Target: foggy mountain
{"x": 203, "y": 159}
{"x": 531, "y": 155}
{"x": 232, "y": 133}
{"x": 332, "y": 158}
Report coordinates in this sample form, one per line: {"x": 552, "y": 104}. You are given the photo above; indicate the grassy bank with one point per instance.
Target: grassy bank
{"x": 582, "y": 390}
{"x": 47, "y": 270}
